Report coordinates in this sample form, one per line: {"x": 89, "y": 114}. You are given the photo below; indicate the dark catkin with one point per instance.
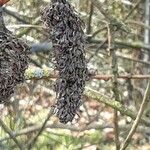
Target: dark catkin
{"x": 13, "y": 61}
{"x": 68, "y": 40}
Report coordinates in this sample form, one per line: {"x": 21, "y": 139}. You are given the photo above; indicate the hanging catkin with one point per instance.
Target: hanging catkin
{"x": 13, "y": 61}
{"x": 68, "y": 43}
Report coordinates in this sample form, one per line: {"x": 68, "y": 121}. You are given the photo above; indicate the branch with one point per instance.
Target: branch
{"x": 7, "y": 130}
{"x": 40, "y": 47}
{"x": 124, "y": 44}
{"x": 15, "y": 15}
{"x": 110, "y": 18}
{"x": 132, "y": 10}
{"x": 114, "y": 104}
{"x": 88, "y": 31}
{"x": 138, "y": 118}
{"x": 94, "y": 95}
{"x": 33, "y": 141}
{"x": 95, "y": 126}
{"x": 35, "y": 128}
{"x": 114, "y": 67}
{"x": 27, "y": 30}
{"x": 47, "y": 73}
{"x": 47, "y": 47}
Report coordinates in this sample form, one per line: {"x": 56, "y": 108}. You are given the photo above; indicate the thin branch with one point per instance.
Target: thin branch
{"x": 124, "y": 57}
{"x": 114, "y": 104}
{"x": 90, "y": 19}
{"x": 109, "y": 17}
{"x": 48, "y": 73}
{"x": 47, "y": 47}
{"x": 138, "y": 118}
{"x": 97, "y": 50}
{"x": 96, "y": 96}
{"x": 7, "y": 130}
{"x": 35, "y": 128}
{"x": 133, "y": 59}
{"x": 27, "y": 30}
{"x": 132, "y": 10}
{"x": 114, "y": 66}
{"x": 15, "y": 15}
{"x": 143, "y": 25}
{"x": 33, "y": 141}
{"x": 97, "y": 32}
{"x": 124, "y": 44}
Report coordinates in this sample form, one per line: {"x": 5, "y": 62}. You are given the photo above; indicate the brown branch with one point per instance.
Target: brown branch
{"x": 38, "y": 74}
{"x": 138, "y": 118}
{"x": 2, "y": 2}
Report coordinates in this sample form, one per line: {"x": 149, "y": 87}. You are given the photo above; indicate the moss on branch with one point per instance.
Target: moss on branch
{"x": 114, "y": 104}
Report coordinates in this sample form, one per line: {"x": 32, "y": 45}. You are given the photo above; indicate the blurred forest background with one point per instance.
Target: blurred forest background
{"x": 118, "y": 46}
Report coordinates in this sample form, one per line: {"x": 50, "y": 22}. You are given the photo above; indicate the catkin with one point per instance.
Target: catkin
{"x": 13, "y": 61}
{"x": 68, "y": 40}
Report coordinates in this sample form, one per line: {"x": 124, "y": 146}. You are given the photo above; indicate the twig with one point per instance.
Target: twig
{"x": 141, "y": 24}
{"x": 132, "y": 10}
{"x": 92, "y": 94}
{"x": 15, "y": 15}
{"x": 47, "y": 47}
{"x": 96, "y": 32}
{"x": 90, "y": 19}
{"x": 133, "y": 59}
{"x": 138, "y": 118}
{"x": 33, "y": 141}
{"x": 115, "y": 90}
{"x": 97, "y": 50}
{"x": 27, "y": 30}
{"x": 119, "y": 43}
{"x": 48, "y": 73}
{"x": 114, "y": 104}
{"x": 109, "y": 37}
{"x": 109, "y": 17}
{"x": 124, "y": 57}
{"x": 7, "y": 130}
{"x": 96, "y": 126}
{"x": 35, "y": 128}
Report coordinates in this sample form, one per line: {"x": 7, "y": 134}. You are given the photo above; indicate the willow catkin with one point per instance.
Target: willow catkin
{"x": 13, "y": 61}
{"x": 68, "y": 43}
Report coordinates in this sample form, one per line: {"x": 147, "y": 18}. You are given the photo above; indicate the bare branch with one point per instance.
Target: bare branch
{"x": 114, "y": 104}
{"x": 33, "y": 141}
{"x": 47, "y": 73}
{"x": 7, "y": 130}
{"x": 138, "y": 118}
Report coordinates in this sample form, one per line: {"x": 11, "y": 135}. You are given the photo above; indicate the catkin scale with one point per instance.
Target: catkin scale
{"x": 68, "y": 39}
